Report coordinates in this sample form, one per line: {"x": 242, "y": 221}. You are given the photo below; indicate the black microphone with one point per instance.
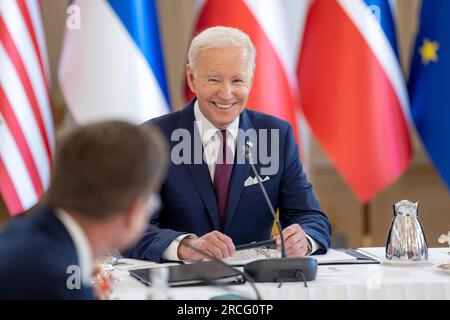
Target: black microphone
{"x": 282, "y": 269}
{"x": 212, "y": 258}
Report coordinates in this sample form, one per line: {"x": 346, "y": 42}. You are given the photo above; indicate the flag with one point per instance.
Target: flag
{"x": 353, "y": 92}
{"x": 274, "y": 88}
{"x": 428, "y": 84}
{"x": 26, "y": 122}
{"x": 112, "y": 64}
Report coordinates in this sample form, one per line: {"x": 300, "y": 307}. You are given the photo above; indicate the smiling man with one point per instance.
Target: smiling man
{"x": 215, "y": 203}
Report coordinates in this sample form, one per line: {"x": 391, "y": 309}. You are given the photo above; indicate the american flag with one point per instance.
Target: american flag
{"x": 26, "y": 122}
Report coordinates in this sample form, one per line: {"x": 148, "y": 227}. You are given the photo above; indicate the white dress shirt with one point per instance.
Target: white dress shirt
{"x": 82, "y": 246}
{"x": 211, "y": 144}
{"x": 210, "y": 138}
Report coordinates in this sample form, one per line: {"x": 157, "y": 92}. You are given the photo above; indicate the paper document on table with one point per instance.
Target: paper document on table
{"x": 245, "y": 256}
{"x": 333, "y": 256}
{"x": 344, "y": 256}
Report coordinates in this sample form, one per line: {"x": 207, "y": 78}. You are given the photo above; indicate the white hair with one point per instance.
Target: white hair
{"x": 221, "y": 37}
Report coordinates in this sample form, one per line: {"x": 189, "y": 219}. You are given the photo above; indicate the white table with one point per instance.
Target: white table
{"x": 374, "y": 281}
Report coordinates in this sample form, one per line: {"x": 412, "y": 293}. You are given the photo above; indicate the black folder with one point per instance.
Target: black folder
{"x": 201, "y": 273}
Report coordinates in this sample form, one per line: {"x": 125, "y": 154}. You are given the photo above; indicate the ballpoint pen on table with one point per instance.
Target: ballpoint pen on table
{"x": 256, "y": 244}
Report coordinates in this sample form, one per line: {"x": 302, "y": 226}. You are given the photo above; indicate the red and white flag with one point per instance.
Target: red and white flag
{"x": 26, "y": 122}
{"x": 274, "y": 88}
{"x": 353, "y": 92}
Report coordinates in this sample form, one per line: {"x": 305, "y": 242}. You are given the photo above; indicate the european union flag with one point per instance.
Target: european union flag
{"x": 429, "y": 83}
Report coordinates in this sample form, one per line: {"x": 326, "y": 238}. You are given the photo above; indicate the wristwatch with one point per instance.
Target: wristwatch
{"x": 309, "y": 247}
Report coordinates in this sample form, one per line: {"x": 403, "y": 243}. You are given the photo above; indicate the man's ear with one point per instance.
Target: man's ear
{"x": 190, "y": 78}
{"x": 252, "y": 76}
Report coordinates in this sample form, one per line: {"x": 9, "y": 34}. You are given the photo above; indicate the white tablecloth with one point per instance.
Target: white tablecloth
{"x": 375, "y": 281}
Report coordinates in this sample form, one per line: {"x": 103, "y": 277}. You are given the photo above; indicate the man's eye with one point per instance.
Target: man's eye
{"x": 239, "y": 81}
{"x": 213, "y": 80}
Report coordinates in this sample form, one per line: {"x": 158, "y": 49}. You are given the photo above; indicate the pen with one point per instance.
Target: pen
{"x": 256, "y": 244}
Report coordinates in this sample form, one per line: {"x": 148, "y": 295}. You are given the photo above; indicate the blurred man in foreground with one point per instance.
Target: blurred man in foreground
{"x": 103, "y": 190}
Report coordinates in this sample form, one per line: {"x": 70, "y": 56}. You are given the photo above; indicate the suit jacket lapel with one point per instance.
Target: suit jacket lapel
{"x": 240, "y": 172}
{"x": 199, "y": 171}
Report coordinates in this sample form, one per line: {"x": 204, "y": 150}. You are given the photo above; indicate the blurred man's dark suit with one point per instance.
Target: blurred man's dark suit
{"x": 35, "y": 254}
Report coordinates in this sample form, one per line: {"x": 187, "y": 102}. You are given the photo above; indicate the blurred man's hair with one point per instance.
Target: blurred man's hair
{"x": 101, "y": 169}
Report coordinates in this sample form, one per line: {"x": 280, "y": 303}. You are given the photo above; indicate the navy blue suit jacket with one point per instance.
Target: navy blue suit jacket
{"x": 189, "y": 202}
{"x": 35, "y": 253}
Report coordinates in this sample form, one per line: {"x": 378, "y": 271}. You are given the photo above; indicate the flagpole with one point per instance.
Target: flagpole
{"x": 367, "y": 240}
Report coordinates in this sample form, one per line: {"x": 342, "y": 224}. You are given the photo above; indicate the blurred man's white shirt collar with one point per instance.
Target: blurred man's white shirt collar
{"x": 82, "y": 246}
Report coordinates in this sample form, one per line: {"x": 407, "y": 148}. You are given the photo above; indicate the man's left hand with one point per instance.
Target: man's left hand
{"x": 295, "y": 241}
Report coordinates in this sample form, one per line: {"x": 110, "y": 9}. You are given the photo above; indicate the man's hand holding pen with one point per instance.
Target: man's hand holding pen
{"x": 221, "y": 246}
{"x": 215, "y": 243}
{"x": 297, "y": 244}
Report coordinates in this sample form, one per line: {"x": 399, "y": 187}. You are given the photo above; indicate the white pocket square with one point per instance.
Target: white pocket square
{"x": 251, "y": 181}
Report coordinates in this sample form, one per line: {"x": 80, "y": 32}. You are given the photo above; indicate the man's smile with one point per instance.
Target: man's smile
{"x": 223, "y": 106}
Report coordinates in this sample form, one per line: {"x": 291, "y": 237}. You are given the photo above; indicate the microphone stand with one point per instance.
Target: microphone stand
{"x": 284, "y": 269}
{"x": 248, "y": 155}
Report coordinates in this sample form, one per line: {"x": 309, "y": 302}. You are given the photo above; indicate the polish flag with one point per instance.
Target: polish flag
{"x": 353, "y": 93}
{"x": 274, "y": 88}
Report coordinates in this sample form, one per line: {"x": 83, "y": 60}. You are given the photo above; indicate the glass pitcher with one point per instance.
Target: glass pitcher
{"x": 406, "y": 240}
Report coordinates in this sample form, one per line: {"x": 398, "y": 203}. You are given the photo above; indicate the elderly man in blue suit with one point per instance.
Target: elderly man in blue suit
{"x": 95, "y": 203}
{"x": 210, "y": 197}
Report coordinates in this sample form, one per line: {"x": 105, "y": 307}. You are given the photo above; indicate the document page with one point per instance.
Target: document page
{"x": 242, "y": 257}
{"x": 333, "y": 256}
{"x": 245, "y": 256}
